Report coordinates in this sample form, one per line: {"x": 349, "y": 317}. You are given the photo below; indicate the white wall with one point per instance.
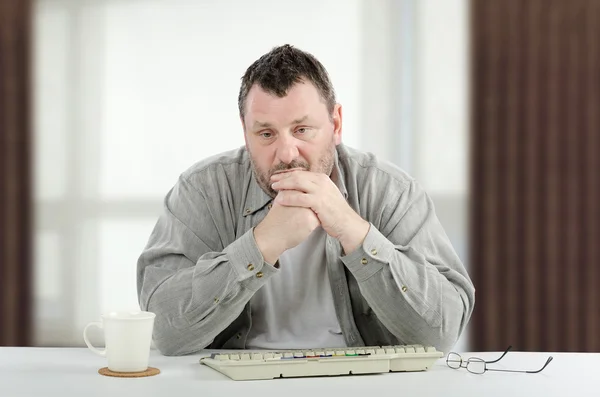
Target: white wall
{"x": 129, "y": 93}
{"x": 441, "y": 96}
{"x": 441, "y": 129}
{"x": 414, "y": 109}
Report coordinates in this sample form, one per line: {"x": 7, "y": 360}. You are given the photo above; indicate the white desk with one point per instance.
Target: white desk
{"x": 73, "y": 372}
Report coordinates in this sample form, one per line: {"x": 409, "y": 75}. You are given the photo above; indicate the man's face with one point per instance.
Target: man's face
{"x": 293, "y": 132}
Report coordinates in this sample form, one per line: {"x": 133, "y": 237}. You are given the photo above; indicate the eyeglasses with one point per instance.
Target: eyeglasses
{"x": 477, "y": 365}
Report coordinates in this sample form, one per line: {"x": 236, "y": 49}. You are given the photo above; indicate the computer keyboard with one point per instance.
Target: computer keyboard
{"x": 262, "y": 364}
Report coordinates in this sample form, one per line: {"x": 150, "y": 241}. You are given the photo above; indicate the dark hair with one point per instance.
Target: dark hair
{"x": 282, "y": 67}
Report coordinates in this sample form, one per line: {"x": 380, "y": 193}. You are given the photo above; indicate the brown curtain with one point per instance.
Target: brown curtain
{"x": 15, "y": 162}
{"x": 535, "y": 180}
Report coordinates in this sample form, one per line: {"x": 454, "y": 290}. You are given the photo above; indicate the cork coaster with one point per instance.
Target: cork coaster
{"x": 151, "y": 371}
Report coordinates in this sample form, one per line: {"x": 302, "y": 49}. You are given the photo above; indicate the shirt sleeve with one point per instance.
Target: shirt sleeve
{"x": 410, "y": 275}
{"x": 195, "y": 285}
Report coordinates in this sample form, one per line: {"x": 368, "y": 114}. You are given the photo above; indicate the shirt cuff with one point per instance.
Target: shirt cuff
{"x": 370, "y": 257}
{"x": 248, "y": 263}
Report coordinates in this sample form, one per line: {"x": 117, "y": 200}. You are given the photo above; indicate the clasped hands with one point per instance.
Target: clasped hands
{"x": 305, "y": 201}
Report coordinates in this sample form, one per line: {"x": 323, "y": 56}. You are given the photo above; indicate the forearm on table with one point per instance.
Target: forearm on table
{"x": 193, "y": 305}
{"x": 416, "y": 300}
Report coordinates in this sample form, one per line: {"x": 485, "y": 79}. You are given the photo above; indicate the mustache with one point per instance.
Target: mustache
{"x": 292, "y": 165}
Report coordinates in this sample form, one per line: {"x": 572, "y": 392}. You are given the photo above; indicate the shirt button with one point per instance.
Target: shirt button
{"x": 250, "y": 267}
{"x": 216, "y": 300}
{"x": 404, "y": 289}
{"x": 239, "y": 336}
{"x": 364, "y": 261}
{"x": 259, "y": 274}
{"x": 270, "y": 205}
{"x": 248, "y": 210}
{"x": 373, "y": 251}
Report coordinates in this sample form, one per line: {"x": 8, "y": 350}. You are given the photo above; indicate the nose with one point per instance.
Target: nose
{"x": 287, "y": 151}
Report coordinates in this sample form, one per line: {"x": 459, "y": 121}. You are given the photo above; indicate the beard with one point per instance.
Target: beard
{"x": 324, "y": 165}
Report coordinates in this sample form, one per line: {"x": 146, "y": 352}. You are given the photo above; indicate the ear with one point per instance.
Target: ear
{"x": 337, "y": 124}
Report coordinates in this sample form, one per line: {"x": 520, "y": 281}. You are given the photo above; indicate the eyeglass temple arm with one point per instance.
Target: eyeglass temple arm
{"x": 526, "y": 372}
{"x": 498, "y": 359}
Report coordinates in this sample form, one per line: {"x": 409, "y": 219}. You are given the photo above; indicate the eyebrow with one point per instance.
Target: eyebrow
{"x": 260, "y": 124}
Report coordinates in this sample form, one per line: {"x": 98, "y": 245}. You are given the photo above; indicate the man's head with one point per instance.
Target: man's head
{"x": 289, "y": 113}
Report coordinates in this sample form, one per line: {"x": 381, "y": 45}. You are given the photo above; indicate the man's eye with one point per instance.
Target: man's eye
{"x": 266, "y": 135}
{"x": 302, "y": 130}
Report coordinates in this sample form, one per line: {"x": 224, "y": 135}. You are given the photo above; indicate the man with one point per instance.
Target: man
{"x": 297, "y": 241}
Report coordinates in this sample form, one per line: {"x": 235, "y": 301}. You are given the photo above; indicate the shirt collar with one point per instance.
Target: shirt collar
{"x": 337, "y": 175}
{"x": 256, "y": 198}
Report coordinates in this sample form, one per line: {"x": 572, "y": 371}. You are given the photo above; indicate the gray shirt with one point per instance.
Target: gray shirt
{"x": 201, "y": 266}
{"x": 295, "y": 309}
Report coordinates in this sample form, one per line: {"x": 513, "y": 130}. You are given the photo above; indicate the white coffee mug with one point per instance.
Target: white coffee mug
{"x": 127, "y": 336}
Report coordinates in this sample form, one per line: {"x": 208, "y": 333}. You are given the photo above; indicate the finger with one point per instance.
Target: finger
{"x": 289, "y": 174}
{"x": 294, "y": 198}
{"x": 298, "y": 182}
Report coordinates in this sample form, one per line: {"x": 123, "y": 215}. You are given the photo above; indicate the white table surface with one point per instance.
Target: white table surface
{"x": 73, "y": 372}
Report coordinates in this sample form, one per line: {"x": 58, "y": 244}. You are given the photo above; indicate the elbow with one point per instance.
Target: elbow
{"x": 167, "y": 338}
{"x": 173, "y": 335}
{"x": 170, "y": 340}
{"x": 445, "y": 338}
{"x": 167, "y": 347}
{"x": 442, "y": 337}
{"x": 454, "y": 320}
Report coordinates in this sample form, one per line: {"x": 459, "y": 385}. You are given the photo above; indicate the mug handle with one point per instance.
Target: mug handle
{"x": 87, "y": 341}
